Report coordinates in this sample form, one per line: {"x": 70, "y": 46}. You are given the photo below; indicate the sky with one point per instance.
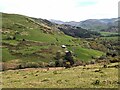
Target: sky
{"x": 65, "y": 10}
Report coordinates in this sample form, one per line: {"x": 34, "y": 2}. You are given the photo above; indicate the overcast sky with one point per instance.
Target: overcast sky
{"x": 65, "y": 10}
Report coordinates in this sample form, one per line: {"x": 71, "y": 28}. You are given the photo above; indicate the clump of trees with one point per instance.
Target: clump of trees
{"x": 64, "y": 60}
{"x": 97, "y": 46}
{"x": 69, "y": 59}
{"x": 78, "y": 31}
{"x": 10, "y": 38}
{"x": 59, "y": 58}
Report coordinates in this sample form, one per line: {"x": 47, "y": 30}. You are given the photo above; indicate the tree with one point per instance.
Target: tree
{"x": 64, "y": 60}
{"x": 58, "y": 59}
{"x": 69, "y": 58}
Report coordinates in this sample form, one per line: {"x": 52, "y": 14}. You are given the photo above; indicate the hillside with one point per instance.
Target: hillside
{"x": 98, "y": 24}
{"x": 37, "y": 51}
{"x": 34, "y": 42}
{"x": 78, "y": 31}
{"x": 70, "y": 30}
{"x": 113, "y": 29}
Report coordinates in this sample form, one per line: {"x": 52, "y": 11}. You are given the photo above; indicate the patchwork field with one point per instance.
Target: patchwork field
{"x": 31, "y": 45}
{"x": 34, "y": 40}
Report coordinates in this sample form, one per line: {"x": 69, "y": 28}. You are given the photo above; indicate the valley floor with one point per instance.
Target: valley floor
{"x": 90, "y": 76}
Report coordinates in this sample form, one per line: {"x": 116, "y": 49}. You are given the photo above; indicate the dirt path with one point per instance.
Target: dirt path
{"x": 43, "y": 69}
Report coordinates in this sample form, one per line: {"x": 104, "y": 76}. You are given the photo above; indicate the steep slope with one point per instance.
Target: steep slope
{"x": 77, "y": 31}
{"x": 71, "y": 30}
{"x": 27, "y": 39}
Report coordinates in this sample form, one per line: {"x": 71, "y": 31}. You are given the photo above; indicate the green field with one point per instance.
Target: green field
{"x": 6, "y": 55}
{"x": 82, "y": 53}
{"x": 85, "y": 54}
{"x": 91, "y": 76}
{"x": 110, "y": 38}
{"x": 108, "y": 33}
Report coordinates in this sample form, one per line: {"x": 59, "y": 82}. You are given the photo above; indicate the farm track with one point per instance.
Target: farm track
{"x": 40, "y": 69}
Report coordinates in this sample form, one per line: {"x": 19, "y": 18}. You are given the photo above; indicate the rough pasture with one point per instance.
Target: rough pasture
{"x": 91, "y": 76}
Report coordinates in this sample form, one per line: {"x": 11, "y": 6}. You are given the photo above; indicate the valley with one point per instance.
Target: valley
{"x": 34, "y": 49}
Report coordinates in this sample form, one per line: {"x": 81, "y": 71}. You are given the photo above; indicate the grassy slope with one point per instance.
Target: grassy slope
{"x": 85, "y": 54}
{"x": 108, "y": 33}
{"x": 29, "y": 30}
{"x": 6, "y": 55}
{"x": 110, "y": 38}
{"x": 77, "y": 77}
{"x": 32, "y": 31}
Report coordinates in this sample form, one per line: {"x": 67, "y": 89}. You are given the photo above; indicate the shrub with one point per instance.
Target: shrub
{"x": 61, "y": 63}
{"x": 23, "y": 40}
{"x": 67, "y": 65}
{"x": 78, "y": 63}
{"x": 9, "y": 38}
{"x": 69, "y": 57}
{"x": 14, "y": 38}
{"x": 102, "y": 57}
{"x": 113, "y": 60}
{"x": 33, "y": 65}
{"x": 42, "y": 64}
{"x": 105, "y": 66}
{"x": 52, "y": 64}
{"x": 92, "y": 62}
{"x": 29, "y": 65}
{"x": 56, "y": 63}
{"x": 59, "y": 59}
{"x": 96, "y": 82}
{"x": 20, "y": 67}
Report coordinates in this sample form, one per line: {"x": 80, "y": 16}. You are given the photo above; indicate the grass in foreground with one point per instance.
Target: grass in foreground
{"x": 91, "y": 76}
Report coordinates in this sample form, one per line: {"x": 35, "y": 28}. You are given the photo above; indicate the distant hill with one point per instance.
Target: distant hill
{"x": 72, "y": 23}
{"x": 70, "y": 30}
{"x": 98, "y": 24}
{"x": 92, "y": 24}
{"x": 77, "y": 31}
{"x": 56, "y": 21}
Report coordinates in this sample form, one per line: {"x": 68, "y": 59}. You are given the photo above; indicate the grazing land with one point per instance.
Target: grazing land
{"x": 91, "y": 76}
{"x": 37, "y": 41}
{"x": 37, "y": 53}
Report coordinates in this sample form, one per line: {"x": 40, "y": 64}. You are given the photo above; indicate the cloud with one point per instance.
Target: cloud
{"x": 66, "y": 10}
